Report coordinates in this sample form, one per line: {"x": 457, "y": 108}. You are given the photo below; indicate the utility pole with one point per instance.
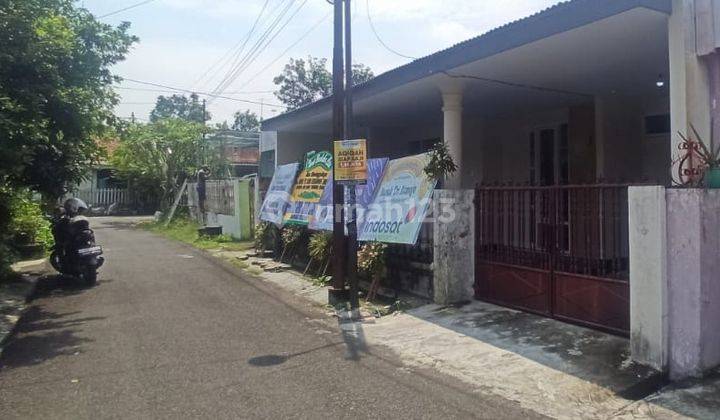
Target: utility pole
{"x": 262, "y": 108}
{"x": 201, "y": 155}
{"x": 337, "y": 289}
{"x": 352, "y": 199}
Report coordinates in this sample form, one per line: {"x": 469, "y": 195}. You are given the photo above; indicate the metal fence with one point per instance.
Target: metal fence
{"x": 103, "y": 197}
{"x": 560, "y": 251}
{"x": 579, "y": 229}
{"x": 221, "y": 197}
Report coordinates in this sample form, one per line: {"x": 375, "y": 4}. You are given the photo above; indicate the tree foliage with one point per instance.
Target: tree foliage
{"x": 303, "y": 82}
{"x": 55, "y": 91}
{"x": 246, "y": 121}
{"x": 361, "y": 74}
{"x": 179, "y": 106}
{"x": 155, "y": 158}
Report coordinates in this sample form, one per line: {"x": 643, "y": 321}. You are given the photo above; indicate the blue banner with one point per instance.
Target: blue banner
{"x": 278, "y": 195}
{"x": 323, "y": 219}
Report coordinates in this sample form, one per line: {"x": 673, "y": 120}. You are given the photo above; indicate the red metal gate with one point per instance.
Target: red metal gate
{"x": 558, "y": 251}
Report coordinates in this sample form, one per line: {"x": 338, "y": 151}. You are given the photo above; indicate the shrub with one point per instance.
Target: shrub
{"x": 264, "y": 236}
{"x": 320, "y": 246}
{"x": 28, "y": 225}
{"x": 291, "y": 235}
{"x": 371, "y": 258}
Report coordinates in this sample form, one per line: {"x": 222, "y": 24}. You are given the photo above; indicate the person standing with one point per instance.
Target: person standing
{"x": 202, "y": 175}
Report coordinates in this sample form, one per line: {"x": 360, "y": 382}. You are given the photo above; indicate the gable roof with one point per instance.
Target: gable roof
{"x": 562, "y": 17}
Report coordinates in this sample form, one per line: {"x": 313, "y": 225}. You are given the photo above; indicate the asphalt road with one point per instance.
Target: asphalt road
{"x": 170, "y": 332}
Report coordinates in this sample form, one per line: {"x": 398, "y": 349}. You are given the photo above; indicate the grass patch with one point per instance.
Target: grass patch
{"x": 184, "y": 230}
{"x": 255, "y": 270}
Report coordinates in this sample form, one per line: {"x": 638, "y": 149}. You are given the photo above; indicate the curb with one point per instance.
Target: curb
{"x": 32, "y": 279}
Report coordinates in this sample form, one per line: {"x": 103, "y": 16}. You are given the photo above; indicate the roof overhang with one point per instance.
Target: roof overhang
{"x": 581, "y": 47}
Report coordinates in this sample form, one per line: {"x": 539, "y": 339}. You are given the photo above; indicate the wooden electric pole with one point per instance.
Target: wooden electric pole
{"x": 337, "y": 290}
{"x": 352, "y": 199}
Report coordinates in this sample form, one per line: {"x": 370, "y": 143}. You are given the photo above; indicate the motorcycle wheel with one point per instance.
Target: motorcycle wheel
{"x": 90, "y": 276}
{"x": 55, "y": 261}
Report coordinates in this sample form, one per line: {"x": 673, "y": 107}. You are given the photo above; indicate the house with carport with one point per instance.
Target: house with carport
{"x": 564, "y": 126}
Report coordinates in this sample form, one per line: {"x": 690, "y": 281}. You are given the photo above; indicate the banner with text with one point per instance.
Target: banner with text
{"x": 400, "y": 204}
{"x": 351, "y": 162}
{"x": 309, "y": 188}
{"x": 278, "y": 195}
{"x": 323, "y": 219}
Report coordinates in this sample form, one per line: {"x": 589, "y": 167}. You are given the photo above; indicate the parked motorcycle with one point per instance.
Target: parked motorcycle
{"x": 76, "y": 253}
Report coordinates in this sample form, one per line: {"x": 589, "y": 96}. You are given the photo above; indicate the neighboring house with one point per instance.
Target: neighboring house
{"x": 551, "y": 119}
{"x": 241, "y": 149}
{"x": 100, "y": 188}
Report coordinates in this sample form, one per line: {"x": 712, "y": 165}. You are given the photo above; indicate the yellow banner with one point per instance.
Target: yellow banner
{"x": 350, "y": 161}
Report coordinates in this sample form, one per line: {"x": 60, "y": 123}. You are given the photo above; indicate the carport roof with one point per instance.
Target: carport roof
{"x": 560, "y": 18}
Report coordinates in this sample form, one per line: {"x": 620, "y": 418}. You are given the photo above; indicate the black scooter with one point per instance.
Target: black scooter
{"x": 76, "y": 253}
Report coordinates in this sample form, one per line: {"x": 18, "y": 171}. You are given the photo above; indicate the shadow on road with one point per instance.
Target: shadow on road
{"x": 59, "y": 285}
{"x": 275, "y": 359}
{"x": 43, "y": 335}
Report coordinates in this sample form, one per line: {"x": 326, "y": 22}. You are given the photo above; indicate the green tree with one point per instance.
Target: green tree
{"x": 304, "y": 82}
{"x": 361, "y": 74}
{"x": 155, "y": 158}
{"x": 179, "y": 106}
{"x": 55, "y": 91}
{"x": 246, "y": 121}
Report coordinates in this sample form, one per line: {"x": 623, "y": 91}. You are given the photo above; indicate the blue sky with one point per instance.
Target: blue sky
{"x": 181, "y": 39}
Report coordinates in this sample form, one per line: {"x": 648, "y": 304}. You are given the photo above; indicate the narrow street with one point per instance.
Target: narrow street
{"x": 171, "y": 333}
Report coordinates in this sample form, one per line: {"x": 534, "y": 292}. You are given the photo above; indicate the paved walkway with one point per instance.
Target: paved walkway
{"x": 172, "y": 333}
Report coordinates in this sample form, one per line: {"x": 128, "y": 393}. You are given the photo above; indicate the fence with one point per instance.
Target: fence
{"x": 557, "y": 250}
{"x": 103, "y": 197}
{"x": 221, "y": 197}
{"x": 228, "y": 203}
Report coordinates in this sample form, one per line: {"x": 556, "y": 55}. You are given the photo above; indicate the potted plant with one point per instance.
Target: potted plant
{"x": 710, "y": 159}
{"x": 441, "y": 162}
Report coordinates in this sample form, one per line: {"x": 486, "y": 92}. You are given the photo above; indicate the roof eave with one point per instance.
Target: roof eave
{"x": 557, "y": 19}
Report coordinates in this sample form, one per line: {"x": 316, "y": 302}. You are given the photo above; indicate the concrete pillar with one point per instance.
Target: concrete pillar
{"x": 689, "y": 82}
{"x": 452, "y": 134}
{"x": 693, "y": 232}
{"x": 453, "y": 246}
{"x": 648, "y": 276}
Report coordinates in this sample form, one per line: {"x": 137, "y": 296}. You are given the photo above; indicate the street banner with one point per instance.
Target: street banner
{"x": 278, "y": 195}
{"x": 309, "y": 188}
{"x": 400, "y": 204}
{"x": 323, "y": 219}
{"x": 351, "y": 162}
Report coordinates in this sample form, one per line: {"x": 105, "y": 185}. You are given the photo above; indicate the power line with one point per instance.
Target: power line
{"x": 259, "y": 48}
{"x": 132, "y": 6}
{"x": 237, "y": 92}
{"x": 240, "y": 46}
{"x": 212, "y": 95}
{"x": 377, "y": 35}
{"x": 241, "y": 55}
{"x": 305, "y": 35}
